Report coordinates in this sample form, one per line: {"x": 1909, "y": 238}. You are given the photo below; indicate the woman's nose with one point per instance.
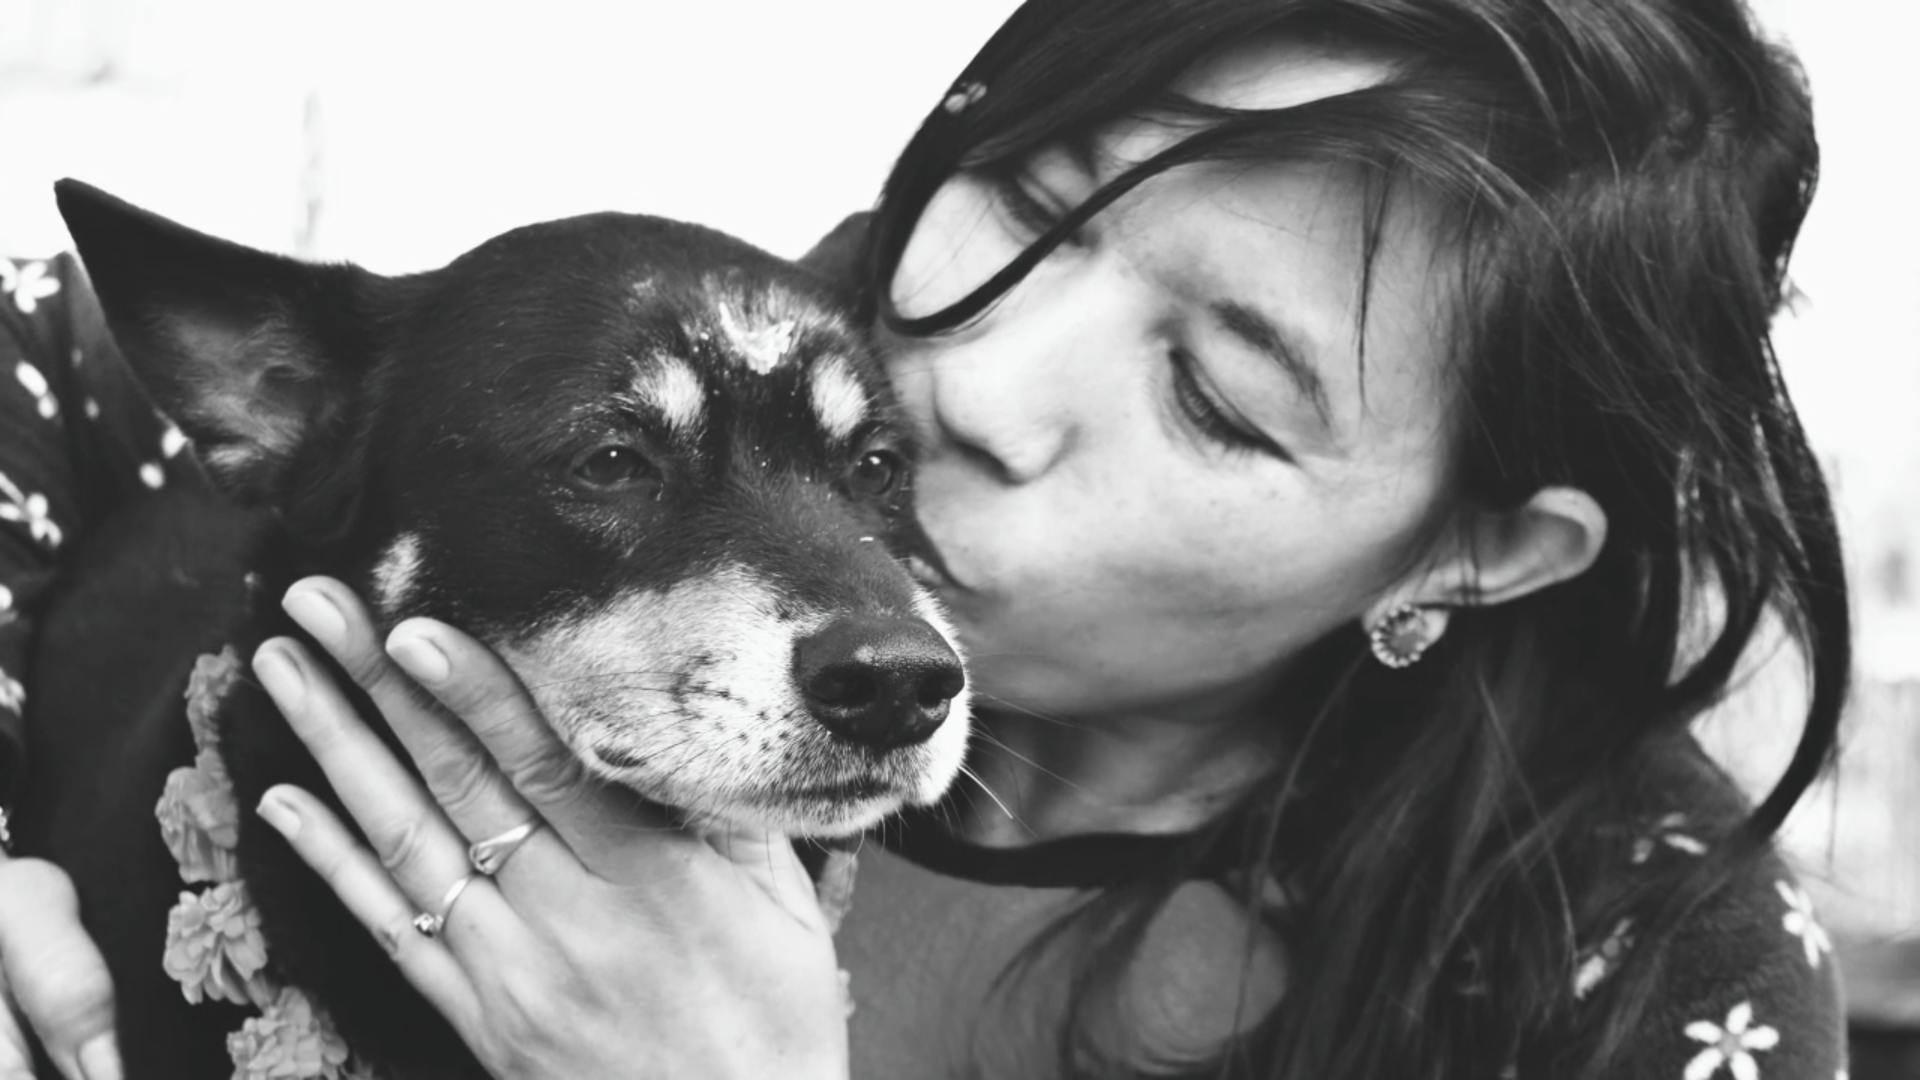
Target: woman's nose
{"x": 1010, "y": 410}
{"x": 1040, "y": 376}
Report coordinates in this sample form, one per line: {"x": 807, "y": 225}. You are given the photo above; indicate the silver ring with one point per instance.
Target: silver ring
{"x": 489, "y": 855}
{"x": 429, "y": 923}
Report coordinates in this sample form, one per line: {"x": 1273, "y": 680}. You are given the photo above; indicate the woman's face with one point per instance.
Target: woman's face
{"x": 1151, "y": 469}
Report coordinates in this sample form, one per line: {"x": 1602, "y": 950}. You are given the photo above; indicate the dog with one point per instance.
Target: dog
{"x": 655, "y": 468}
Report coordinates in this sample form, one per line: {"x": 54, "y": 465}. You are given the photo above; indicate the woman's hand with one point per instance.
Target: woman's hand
{"x": 609, "y": 942}
{"x": 52, "y": 977}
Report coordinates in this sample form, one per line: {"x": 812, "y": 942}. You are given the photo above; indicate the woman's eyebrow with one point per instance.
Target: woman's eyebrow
{"x": 1271, "y": 340}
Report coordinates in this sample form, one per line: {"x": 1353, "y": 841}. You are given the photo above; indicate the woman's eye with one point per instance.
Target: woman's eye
{"x": 877, "y": 474}
{"x": 612, "y": 466}
{"x": 1219, "y": 423}
{"x": 1029, "y": 213}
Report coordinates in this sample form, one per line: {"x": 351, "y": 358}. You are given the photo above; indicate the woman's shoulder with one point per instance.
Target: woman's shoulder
{"x": 1746, "y": 983}
{"x": 77, "y": 429}
{"x": 51, "y": 324}
{"x": 78, "y": 437}
{"x": 42, "y": 303}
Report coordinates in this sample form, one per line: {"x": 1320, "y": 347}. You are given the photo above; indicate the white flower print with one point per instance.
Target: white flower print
{"x": 172, "y": 441}
{"x": 12, "y": 695}
{"x": 7, "y": 614}
{"x": 28, "y": 510}
{"x": 1598, "y": 962}
{"x": 28, "y": 283}
{"x": 1731, "y": 1044}
{"x": 1799, "y": 922}
{"x": 1667, "y": 832}
{"x": 36, "y": 384}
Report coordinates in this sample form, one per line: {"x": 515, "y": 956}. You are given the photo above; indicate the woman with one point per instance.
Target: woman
{"x": 1353, "y": 454}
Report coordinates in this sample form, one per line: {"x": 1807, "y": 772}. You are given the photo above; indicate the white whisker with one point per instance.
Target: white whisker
{"x": 1018, "y": 756}
{"x": 968, "y": 772}
{"x": 1002, "y": 705}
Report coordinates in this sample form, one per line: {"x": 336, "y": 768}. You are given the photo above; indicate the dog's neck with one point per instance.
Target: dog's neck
{"x": 312, "y": 940}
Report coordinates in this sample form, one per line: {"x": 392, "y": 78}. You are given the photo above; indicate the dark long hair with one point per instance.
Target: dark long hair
{"x": 1619, "y": 183}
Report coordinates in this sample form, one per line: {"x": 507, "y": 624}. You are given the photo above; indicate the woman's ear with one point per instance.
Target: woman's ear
{"x": 1499, "y": 555}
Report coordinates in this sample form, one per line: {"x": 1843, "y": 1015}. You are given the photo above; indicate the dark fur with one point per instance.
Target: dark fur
{"x": 438, "y": 403}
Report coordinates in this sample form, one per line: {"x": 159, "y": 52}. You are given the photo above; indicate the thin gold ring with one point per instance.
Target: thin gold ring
{"x": 489, "y": 855}
{"x": 429, "y": 923}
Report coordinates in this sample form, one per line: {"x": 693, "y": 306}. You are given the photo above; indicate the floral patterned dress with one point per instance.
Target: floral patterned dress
{"x": 1752, "y": 994}
{"x": 78, "y": 437}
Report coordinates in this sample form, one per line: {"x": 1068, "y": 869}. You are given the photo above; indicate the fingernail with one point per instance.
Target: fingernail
{"x": 279, "y": 672}
{"x": 279, "y": 813}
{"x": 420, "y": 657}
{"x": 100, "y": 1059}
{"x": 316, "y": 613}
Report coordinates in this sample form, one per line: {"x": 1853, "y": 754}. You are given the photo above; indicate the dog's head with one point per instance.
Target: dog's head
{"x": 652, "y": 466}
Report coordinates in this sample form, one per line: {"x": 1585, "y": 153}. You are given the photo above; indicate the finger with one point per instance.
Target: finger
{"x": 769, "y": 861}
{"x": 16, "y": 1059}
{"x": 599, "y": 821}
{"x": 365, "y": 888}
{"x": 458, "y": 771}
{"x": 420, "y": 850}
{"x": 54, "y": 970}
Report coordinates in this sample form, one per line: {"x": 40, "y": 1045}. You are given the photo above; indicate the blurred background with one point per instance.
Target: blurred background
{"x": 398, "y": 133}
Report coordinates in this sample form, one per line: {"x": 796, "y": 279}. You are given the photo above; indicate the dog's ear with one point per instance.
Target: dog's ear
{"x": 250, "y": 353}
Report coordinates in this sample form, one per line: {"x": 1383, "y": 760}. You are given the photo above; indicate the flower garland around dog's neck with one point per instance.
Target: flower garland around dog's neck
{"x": 214, "y": 946}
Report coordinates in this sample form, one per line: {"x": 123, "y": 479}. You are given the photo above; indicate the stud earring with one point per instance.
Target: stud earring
{"x": 1404, "y": 634}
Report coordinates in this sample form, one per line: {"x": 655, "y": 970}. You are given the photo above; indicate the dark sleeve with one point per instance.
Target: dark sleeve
{"x": 1749, "y": 990}
{"x": 1760, "y": 960}
{"x": 78, "y": 438}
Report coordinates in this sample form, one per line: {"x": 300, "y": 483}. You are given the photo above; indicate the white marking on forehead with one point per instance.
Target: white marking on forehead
{"x": 675, "y": 392}
{"x": 839, "y": 401}
{"x": 762, "y": 343}
{"x": 394, "y": 575}
{"x": 762, "y": 323}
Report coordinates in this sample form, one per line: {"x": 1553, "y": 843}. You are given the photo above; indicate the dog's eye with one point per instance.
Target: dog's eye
{"x": 611, "y": 466}
{"x": 877, "y": 474}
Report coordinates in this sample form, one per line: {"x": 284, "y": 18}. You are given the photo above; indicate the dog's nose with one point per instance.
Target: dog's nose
{"x": 884, "y": 683}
